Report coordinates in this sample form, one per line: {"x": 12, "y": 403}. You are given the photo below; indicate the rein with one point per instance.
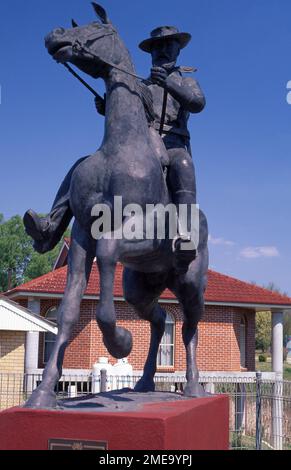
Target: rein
{"x": 80, "y": 48}
{"x": 72, "y": 71}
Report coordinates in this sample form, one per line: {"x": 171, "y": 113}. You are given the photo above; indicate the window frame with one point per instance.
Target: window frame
{"x": 172, "y": 344}
{"x": 45, "y": 341}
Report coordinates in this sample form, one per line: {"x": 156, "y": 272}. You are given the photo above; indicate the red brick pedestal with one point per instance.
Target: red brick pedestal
{"x": 200, "y": 423}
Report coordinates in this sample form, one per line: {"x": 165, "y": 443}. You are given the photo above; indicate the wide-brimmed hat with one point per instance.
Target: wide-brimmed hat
{"x": 165, "y": 32}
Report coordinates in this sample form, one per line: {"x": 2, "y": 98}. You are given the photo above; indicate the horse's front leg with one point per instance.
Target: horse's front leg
{"x": 80, "y": 262}
{"x": 117, "y": 340}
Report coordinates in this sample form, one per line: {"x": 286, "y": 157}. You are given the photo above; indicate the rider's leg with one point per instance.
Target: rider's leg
{"x": 182, "y": 184}
{"x": 181, "y": 173}
{"x": 47, "y": 231}
{"x": 181, "y": 180}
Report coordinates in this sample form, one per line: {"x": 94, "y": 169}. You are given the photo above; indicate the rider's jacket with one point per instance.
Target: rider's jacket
{"x": 177, "y": 114}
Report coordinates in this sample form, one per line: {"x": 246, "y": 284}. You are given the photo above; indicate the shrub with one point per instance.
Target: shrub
{"x": 262, "y": 358}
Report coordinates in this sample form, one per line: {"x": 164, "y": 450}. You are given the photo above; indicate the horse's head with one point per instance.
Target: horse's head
{"x": 89, "y": 47}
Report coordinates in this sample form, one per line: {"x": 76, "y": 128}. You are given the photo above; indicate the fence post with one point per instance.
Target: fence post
{"x": 277, "y": 413}
{"x": 258, "y": 411}
{"x": 240, "y": 415}
{"x": 103, "y": 380}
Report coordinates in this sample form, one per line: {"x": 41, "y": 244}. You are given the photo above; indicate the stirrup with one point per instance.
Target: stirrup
{"x": 179, "y": 239}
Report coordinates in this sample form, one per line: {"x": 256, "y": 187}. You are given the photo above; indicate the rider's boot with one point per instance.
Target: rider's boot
{"x": 46, "y": 231}
{"x": 184, "y": 253}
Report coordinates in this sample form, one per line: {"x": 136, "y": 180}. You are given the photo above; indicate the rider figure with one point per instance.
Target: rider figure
{"x": 184, "y": 96}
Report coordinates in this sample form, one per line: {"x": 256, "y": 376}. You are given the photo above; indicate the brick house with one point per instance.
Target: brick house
{"x": 226, "y": 332}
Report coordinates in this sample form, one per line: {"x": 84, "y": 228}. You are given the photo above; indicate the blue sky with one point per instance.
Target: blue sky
{"x": 241, "y": 142}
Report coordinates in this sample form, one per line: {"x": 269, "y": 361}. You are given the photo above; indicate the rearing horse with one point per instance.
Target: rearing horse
{"x": 127, "y": 165}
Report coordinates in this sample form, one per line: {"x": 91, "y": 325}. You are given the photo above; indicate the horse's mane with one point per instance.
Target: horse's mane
{"x": 147, "y": 100}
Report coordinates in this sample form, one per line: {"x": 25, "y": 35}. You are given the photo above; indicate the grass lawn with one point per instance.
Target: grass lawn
{"x": 267, "y": 367}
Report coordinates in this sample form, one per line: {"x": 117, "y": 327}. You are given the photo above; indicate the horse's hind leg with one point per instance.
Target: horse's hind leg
{"x": 189, "y": 289}
{"x": 80, "y": 260}
{"x": 143, "y": 296}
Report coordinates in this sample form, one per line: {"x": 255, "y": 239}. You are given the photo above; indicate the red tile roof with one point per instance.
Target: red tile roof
{"x": 220, "y": 288}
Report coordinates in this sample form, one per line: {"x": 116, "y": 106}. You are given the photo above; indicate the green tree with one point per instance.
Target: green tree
{"x": 260, "y": 327}
{"x": 287, "y": 316}
{"x": 40, "y": 264}
{"x": 15, "y": 252}
{"x": 263, "y": 330}
{"x": 18, "y": 260}
{"x": 287, "y": 325}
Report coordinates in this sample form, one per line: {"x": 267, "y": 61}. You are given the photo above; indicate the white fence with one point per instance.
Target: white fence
{"x": 260, "y": 405}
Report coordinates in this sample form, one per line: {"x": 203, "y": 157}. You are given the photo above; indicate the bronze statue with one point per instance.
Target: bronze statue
{"x": 145, "y": 160}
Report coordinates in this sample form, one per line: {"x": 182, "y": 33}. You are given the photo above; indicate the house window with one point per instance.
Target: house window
{"x": 166, "y": 349}
{"x": 49, "y": 338}
{"x": 242, "y": 342}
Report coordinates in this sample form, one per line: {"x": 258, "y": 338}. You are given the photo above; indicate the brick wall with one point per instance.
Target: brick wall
{"x": 12, "y": 351}
{"x": 11, "y": 368}
{"x": 218, "y": 348}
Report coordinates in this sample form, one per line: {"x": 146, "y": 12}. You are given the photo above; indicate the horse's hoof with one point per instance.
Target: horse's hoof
{"x": 144, "y": 385}
{"x": 41, "y": 399}
{"x": 119, "y": 345}
{"x": 194, "y": 389}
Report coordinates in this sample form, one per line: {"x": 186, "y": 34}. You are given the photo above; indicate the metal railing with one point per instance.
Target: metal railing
{"x": 260, "y": 409}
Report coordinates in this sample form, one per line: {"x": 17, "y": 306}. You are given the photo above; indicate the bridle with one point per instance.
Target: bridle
{"x": 80, "y": 48}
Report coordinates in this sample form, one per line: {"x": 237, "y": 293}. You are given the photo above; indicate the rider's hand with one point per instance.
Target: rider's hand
{"x": 159, "y": 76}
{"x": 100, "y": 105}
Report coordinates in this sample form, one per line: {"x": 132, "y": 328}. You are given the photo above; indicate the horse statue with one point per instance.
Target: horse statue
{"x": 127, "y": 165}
